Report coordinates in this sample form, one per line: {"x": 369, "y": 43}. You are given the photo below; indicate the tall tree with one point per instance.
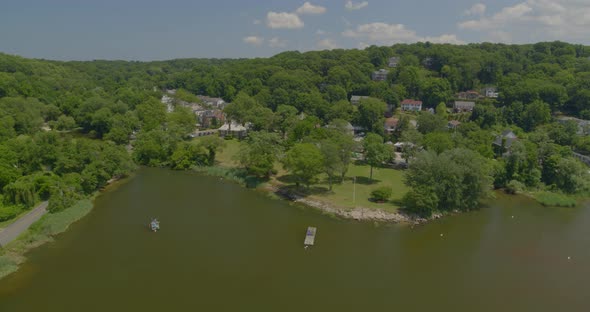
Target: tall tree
{"x": 376, "y": 152}
{"x": 305, "y": 161}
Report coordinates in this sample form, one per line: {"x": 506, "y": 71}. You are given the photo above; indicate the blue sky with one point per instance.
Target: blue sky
{"x": 156, "y": 30}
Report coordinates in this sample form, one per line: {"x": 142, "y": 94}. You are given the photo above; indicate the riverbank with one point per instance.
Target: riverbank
{"x": 43, "y": 231}
{"x": 39, "y": 233}
{"x": 14, "y": 229}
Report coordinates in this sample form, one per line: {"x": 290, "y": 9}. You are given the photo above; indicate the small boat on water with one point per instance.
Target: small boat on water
{"x": 310, "y": 236}
{"x": 155, "y": 225}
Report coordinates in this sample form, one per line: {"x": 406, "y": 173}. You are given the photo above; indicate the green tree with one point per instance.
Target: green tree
{"x": 458, "y": 178}
{"x": 371, "y": 115}
{"x": 438, "y": 142}
{"x": 428, "y": 123}
{"x": 305, "y": 162}
{"x": 260, "y": 152}
{"x": 376, "y": 153}
{"x": 213, "y": 145}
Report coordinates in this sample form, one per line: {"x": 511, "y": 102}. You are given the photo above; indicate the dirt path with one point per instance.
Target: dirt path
{"x": 11, "y": 232}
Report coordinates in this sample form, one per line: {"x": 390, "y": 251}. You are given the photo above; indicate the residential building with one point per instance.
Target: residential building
{"x": 463, "y": 106}
{"x": 393, "y": 61}
{"x": 168, "y": 101}
{"x": 356, "y": 99}
{"x": 411, "y": 105}
{"x": 211, "y": 117}
{"x": 453, "y": 124}
{"x": 390, "y": 125}
{"x": 213, "y": 102}
{"x": 583, "y": 125}
{"x": 504, "y": 141}
{"x": 380, "y": 75}
{"x": 235, "y": 130}
{"x": 468, "y": 95}
{"x": 490, "y": 92}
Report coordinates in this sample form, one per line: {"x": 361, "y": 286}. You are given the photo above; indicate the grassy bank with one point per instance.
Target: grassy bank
{"x": 39, "y": 233}
{"x": 347, "y": 194}
{"x": 555, "y": 199}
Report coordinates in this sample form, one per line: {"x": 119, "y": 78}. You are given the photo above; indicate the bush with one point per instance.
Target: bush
{"x": 422, "y": 202}
{"x": 9, "y": 212}
{"x": 515, "y": 187}
{"x": 381, "y": 194}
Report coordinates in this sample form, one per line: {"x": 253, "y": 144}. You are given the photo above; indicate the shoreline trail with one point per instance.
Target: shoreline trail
{"x": 11, "y": 232}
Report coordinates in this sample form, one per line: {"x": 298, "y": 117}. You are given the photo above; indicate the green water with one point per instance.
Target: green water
{"x": 224, "y": 248}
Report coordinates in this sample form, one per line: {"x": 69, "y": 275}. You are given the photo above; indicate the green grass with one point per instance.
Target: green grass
{"x": 40, "y": 232}
{"x": 555, "y": 199}
{"x": 226, "y": 157}
{"x": 342, "y": 194}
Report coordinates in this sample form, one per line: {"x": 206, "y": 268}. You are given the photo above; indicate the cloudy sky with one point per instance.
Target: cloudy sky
{"x": 165, "y": 29}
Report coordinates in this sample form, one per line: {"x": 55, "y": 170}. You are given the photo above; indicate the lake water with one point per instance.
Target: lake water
{"x": 224, "y": 248}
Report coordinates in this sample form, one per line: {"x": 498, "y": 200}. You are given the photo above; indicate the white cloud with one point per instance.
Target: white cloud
{"x": 283, "y": 20}
{"x": 535, "y": 20}
{"x": 476, "y": 9}
{"x": 308, "y": 8}
{"x": 387, "y": 34}
{"x": 351, "y": 6}
{"x": 277, "y": 43}
{"x": 253, "y": 40}
{"x": 327, "y": 44}
{"x": 257, "y": 22}
{"x": 321, "y": 32}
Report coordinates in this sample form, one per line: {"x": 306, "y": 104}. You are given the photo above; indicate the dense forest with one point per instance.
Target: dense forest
{"x": 66, "y": 128}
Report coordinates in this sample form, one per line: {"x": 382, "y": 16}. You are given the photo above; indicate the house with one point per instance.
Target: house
{"x": 390, "y": 125}
{"x": 393, "y": 61}
{"x": 380, "y": 75}
{"x": 211, "y": 117}
{"x": 427, "y": 62}
{"x": 235, "y": 130}
{"x": 411, "y": 105}
{"x": 468, "y": 95}
{"x": 583, "y": 125}
{"x": 346, "y": 127}
{"x": 356, "y": 99}
{"x": 453, "y": 124}
{"x": 168, "y": 101}
{"x": 503, "y": 142}
{"x": 490, "y": 92}
{"x": 213, "y": 102}
{"x": 463, "y": 106}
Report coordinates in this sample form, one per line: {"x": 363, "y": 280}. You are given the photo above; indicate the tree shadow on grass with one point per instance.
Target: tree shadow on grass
{"x": 366, "y": 181}
{"x": 293, "y": 191}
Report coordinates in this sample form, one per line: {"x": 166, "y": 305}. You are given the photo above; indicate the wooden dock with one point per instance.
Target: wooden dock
{"x": 310, "y": 236}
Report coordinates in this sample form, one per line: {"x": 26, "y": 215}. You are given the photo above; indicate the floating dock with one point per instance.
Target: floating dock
{"x": 310, "y": 236}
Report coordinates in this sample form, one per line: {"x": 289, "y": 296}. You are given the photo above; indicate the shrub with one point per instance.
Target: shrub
{"x": 9, "y": 212}
{"x": 515, "y": 187}
{"x": 422, "y": 202}
{"x": 381, "y": 194}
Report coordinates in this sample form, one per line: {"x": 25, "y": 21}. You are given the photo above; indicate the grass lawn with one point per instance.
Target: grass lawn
{"x": 342, "y": 194}
{"x": 225, "y": 158}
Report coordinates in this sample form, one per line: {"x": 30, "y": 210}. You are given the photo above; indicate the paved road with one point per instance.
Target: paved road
{"x": 11, "y": 232}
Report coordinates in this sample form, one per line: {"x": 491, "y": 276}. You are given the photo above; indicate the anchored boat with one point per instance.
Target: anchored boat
{"x": 155, "y": 225}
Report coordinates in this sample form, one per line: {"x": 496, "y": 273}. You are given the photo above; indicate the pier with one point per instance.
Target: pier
{"x": 310, "y": 236}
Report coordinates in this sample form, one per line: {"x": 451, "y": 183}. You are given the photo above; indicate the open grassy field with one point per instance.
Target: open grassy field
{"x": 342, "y": 193}
{"x": 350, "y": 195}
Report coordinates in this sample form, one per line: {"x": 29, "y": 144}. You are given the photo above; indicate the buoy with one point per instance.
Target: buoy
{"x": 441, "y": 234}
{"x": 512, "y": 217}
{"x": 569, "y": 258}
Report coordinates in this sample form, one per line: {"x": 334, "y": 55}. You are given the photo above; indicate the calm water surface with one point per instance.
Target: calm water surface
{"x": 224, "y": 248}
